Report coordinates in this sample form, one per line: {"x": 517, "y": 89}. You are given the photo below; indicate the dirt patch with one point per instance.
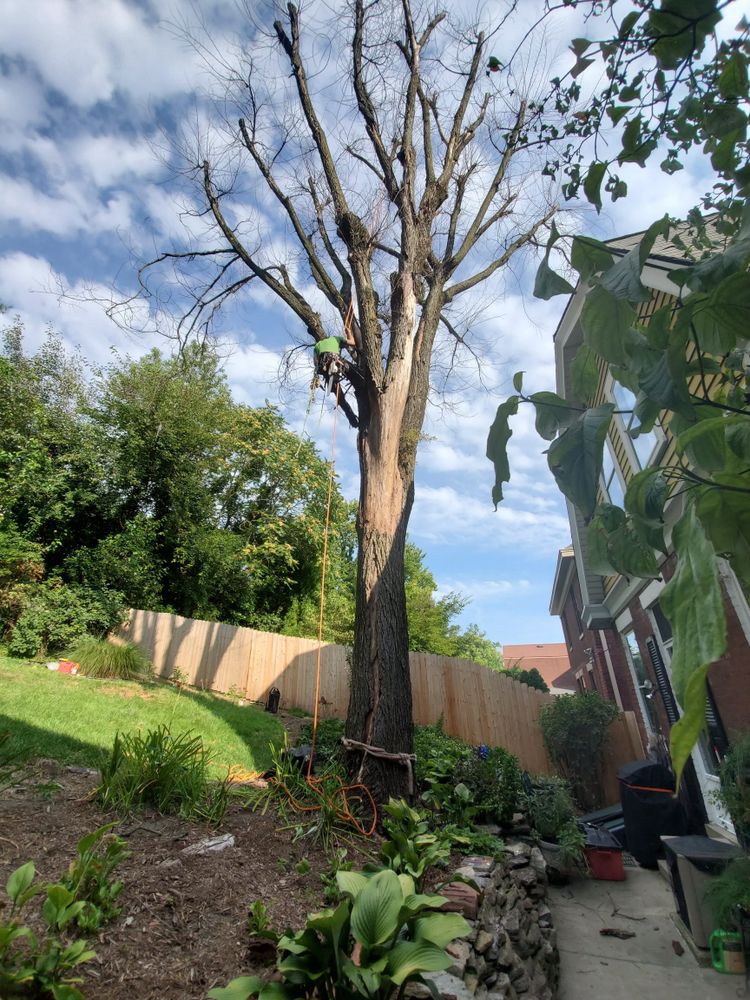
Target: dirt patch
{"x": 182, "y": 929}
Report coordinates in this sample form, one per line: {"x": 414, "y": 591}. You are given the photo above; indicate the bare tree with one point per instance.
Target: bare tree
{"x": 395, "y": 165}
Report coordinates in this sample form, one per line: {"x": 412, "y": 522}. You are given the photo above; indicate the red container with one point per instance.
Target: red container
{"x": 605, "y": 865}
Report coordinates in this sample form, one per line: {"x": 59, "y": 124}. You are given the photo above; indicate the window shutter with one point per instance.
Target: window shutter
{"x": 662, "y": 681}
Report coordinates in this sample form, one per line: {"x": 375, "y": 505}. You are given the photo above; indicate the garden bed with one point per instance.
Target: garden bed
{"x": 182, "y": 929}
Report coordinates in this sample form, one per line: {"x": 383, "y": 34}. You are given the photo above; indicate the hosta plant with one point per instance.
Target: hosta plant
{"x": 381, "y": 937}
{"x": 32, "y": 966}
{"x": 411, "y": 848}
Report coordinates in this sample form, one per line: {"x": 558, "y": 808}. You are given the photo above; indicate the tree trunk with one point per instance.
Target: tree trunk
{"x": 380, "y": 706}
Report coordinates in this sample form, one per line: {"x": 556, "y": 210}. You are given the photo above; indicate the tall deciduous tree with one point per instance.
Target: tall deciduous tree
{"x": 397, "y": 179}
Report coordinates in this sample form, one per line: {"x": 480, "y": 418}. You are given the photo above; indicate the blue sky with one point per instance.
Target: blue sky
{"x": 90, "y": 96}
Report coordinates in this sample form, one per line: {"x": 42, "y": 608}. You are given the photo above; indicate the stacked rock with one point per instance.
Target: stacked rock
{"x": 511, "y": 951}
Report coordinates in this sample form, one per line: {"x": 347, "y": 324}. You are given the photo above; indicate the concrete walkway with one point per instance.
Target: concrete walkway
{"x": 645, "y": 967}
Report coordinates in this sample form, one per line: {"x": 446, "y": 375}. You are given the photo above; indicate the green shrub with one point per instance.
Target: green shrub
{"x": 437, "y": 753}
{"x": 56, "y": 615}
{"x": 729, "y": 894}
{"x": 327, "y": 739}
{"x": 734, "y": 786}
{"x": 167, "y": 772}
{"x": 493, "y": 776}
{"x": 411, "y": 849}
{"x": 100, "y": 658}
{"x": 88, "y": 877}
{"x": 575, "y": 729}
{"x": 35, "y": 966}
{"x": 397, "y": 934}
{"x": 549, "y": 806}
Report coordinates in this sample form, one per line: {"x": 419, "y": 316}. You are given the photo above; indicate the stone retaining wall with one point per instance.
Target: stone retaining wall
{"x": 511, "y": 952}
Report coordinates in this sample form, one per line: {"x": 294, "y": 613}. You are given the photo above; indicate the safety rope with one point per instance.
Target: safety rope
{"x": 341, "y": 798}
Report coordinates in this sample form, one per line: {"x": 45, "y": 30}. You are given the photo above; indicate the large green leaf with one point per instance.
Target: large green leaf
{"x": 725, "y": 516}
{"x": 376, "y": 909}
{"x": 685, "y": 732}
{"x": 440, "y": 928}
{"x": 721, "y": 317}
{"x": 614, "y": 544}
{"x": 20, "y": 880}
{"x": 692, "y": 601}
{"x": 367, "y": 980}
{"x": 606, "y": 323}
{"x": 497, "y": 446}
{"x": 238, "y": 989}
{"x": 704, "y": 441}
{"x": 351, "y": 883}
{"x": 549, "y": 283}
{"x": 552, "y": 413}
{"x": 664, "y": 381}
{"x": 575, "y": 458}
{"x": 584, "y": 374}
{"x": 589, "y": 256}
{"x": 680, "y": 28}
{"x": 411, "y": 957}
{"x": 592, "y": 183}
{"x": 646, "y": 495}
{"x": 417, "y": 902}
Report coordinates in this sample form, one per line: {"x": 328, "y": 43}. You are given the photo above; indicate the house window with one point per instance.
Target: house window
{"x": 645, "y": 445}
{"x": 644, "y": 688}
{"x": 611, "y": 481}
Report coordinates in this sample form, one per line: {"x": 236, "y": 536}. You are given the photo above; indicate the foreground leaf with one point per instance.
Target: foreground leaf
{"x": 497, "y": 445}
{"x": 575, "y": 458}
{"x": 693, "y": 603}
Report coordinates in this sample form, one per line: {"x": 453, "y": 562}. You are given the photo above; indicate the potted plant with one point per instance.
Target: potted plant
{"x": 734, "y": 787}
{"x": 550, "y": 813}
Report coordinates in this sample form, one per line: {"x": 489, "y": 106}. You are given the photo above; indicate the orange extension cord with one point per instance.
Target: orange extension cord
{"x": 347, "y": 795}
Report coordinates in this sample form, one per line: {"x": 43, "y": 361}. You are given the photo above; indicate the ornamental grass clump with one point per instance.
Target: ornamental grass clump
{"x": 169, "y": 773}
{"x": 99, "y": 658}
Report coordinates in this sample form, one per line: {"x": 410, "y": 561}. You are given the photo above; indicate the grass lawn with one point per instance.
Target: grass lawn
{"x": 74, "y": 719}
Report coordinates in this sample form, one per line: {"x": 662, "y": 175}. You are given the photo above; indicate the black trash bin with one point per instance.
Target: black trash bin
{"x": 649, "y": 808}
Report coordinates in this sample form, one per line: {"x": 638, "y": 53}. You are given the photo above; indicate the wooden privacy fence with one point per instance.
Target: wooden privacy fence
{"x": 477, "y": 704}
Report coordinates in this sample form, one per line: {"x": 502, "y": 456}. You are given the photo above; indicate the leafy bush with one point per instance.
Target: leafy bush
{"x": 734, "y": 786}
{"x": 88, "y": 877}
{"x": 380, "y": 937}
{"x": 100, "y": 658}
{"x": 532, "y": 678}
{"x": 729, "y": 894}
{"x": 327, "y": 739}
{"x": 167, "y": 772}
{"x": 493, "y": 776}
{"x": 33, "y": 966}
{"x": 437, "y": 753}
{"x": 575, "y": 729}
{"x": 411, "y": 849}
{"x": 549, "y": 806}
{"x": 56, "y": 615}
{"x": 462, "y": 782}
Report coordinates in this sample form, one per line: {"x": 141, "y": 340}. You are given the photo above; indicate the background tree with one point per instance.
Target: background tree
{"x": 401, "y": 191}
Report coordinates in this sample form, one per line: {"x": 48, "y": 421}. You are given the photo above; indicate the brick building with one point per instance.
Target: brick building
{"x": 618, "y": 638}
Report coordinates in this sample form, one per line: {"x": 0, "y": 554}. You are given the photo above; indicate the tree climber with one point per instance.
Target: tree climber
{"x": 332, "y": 368}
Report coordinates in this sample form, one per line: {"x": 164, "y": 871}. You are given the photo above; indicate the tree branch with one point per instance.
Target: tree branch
{"x": 479, "y": 277}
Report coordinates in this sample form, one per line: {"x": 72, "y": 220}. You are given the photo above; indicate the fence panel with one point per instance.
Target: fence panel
{"x": 476, "y": 704}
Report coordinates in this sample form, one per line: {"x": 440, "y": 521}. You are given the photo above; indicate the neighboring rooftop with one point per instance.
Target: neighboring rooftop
{"x": 549, "y": 658}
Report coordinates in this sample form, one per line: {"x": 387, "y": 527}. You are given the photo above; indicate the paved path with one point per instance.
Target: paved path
{"x": 644, "y": 967}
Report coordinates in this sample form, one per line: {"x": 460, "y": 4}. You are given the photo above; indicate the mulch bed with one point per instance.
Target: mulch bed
{"x": 183, "y": 926}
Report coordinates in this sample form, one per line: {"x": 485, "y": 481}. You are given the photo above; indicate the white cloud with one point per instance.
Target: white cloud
{"x": 90, "y": 51}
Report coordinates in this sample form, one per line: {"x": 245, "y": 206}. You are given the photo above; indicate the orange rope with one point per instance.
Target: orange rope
{"x": 344, "y": 792}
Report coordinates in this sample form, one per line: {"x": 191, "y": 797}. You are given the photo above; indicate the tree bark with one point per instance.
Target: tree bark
{"x": 380, "y": 705}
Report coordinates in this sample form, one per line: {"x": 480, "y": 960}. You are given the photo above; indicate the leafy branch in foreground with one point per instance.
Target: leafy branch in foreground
{"x": 684, "y": 368}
